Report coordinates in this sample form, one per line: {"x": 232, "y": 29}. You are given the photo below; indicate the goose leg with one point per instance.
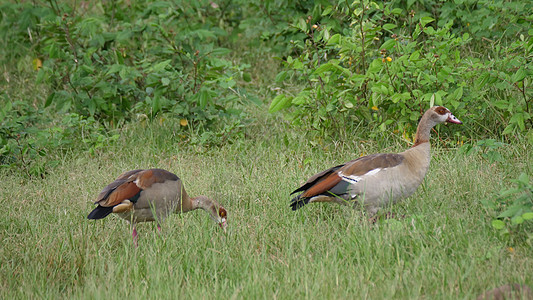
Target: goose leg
{"x": 135, "y": 237}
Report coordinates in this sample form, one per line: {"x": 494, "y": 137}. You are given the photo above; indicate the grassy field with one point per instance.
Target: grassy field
{"x": 444, "y": 248}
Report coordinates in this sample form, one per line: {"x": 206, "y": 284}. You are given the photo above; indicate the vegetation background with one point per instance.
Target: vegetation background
{"x": 244, "y": 100}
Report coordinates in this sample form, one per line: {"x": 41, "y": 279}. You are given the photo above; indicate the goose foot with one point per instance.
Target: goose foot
{"x": 135, "y": 237}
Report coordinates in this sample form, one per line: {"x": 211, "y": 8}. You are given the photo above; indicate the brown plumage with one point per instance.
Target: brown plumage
{"x": 151, "y": 195}
{"x": 379, "y": 179}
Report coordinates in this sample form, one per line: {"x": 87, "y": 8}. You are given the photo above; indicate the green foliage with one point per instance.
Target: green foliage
{"x": 515, "y": 206}
{"x": 27, "y": 145}
{"x": 489, "y": 149}
{"x": 107, "y": 66}
{"x": 19, "y": 25}
{"x": 507, "y": 80}
{"x": 482, "y": 19}
{"x": 387, "y": 64}
{"x": 22, "y": 144}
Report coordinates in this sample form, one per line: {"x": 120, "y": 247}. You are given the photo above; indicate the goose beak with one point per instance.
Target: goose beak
{"x": 223, "y": 224}
{"x": 453, "y": 119}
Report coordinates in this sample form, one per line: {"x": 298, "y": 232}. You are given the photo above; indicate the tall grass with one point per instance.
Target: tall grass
{"x": 444, "y": 247}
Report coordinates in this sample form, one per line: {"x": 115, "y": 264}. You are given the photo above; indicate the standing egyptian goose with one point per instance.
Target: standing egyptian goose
{"x": 136, "y": 195}
{"x": 376, "y": 180}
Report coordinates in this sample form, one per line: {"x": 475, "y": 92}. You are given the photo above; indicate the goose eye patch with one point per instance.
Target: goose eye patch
{"x": 441, "y": 110}
{"x": 222, "y": 212}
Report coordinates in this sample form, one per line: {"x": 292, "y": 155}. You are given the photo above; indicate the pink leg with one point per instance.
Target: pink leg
{"x": 135, "y": 237}
{"x": 158, "y": 227}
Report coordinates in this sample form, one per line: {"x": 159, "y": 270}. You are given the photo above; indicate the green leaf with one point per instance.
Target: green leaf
{"x": 425, "y": 20}
{"x": 92, "y": 107}
{"x": 510, "y": 212}
{"x": 160, "y": 66}
{"x": 528, "y": 216}
{"x": 87, "y": 69}
{"x": 331, "y": 67}
{"x": 204, "y": 34}
{"x": 517, "y": 220}
{"x": 458, "y": 93}
{"x": 156, "y": 104}
{"x": 165, "y": 81}
{"x": 254, "y": 99}
{"x": 396, "y": 11}
{"x": 498, "y": 224}
{"x": 302, "y": 25}
{"x": 41, "y": 74}
{"x": 327, "y": 10}
{"x": 389, "y": 44}
{"x": 415, "y": 55}
{"x": 327, "y": 67}
{"x": 114, "y": 69}
{"x": 508, "y": 129}
{"x": 299, "y": 100}
{"x": 389, "y": 26}
{"x": 518, "y": 119}
{"x": 281, "y": 76}
{"x": 220, "y": 51}
{"x": 334, "y": 39}
{"x": 204, "y": 98}
{"x": 375, "y": 66}
{"x": 280, "y": 102}
{"x": 519, "y": 75}
{"x": 246, "y": 76}
{"x": 501, "y": 104}
{"x": 325, "y": 35}
{"x": 49, "y": 99}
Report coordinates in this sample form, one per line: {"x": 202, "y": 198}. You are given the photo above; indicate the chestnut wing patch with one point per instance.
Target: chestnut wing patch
{"x": 124, "y": 177}
{"x": 126, "y": 190}
{"x": 316, "y": 179}
{"x": 337, "y": 179}
{"x": 323, "y": 186}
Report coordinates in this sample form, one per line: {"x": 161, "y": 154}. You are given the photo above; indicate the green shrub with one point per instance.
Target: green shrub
{"x": 386, "y": 64}
{"x": 109, "y": 63}
{"x": 31, "y": 142}
{"x": 145, "y": 59}
{"x": 515, "y": 206}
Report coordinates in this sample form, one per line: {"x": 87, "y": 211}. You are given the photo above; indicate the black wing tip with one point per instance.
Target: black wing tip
{"x": 298, "y": 202}
{"x": 100, "y": 212}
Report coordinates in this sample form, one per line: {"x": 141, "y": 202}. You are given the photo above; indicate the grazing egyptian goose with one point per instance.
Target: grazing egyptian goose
{"x": 136, "y": 195}
{"x": 376, "y": 180}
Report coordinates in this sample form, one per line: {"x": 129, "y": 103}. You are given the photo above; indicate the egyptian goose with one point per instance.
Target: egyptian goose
{"x": 136, "y": 195}
{"x": 376, "y": 180}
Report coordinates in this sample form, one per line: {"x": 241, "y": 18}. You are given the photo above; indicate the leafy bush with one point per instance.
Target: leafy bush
{"x": 483, "y": 20}
{"x": 515, "y": 205}
{"x": 360, "y": 63}
{"x": 488, "y": 149}
{"x": 112, "y": 62}
{"x": 30, "y": 141}
{"x": 107, "y": 66}
{"x": 387, "y": 64}
{"x": 505, "y": 82}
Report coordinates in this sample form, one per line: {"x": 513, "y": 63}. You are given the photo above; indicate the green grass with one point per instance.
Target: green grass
{"x": 444, "y": 248}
